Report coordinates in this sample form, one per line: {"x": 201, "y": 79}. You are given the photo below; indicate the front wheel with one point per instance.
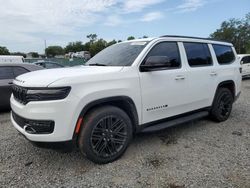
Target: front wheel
{"x": 105, "y": 134}
{"x": 222, "y": 105}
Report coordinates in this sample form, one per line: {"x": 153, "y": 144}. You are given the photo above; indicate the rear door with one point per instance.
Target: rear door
{"x": 6, "y": 78}
{"x": 245, "y": 65}
{"x": 202, "y": 75}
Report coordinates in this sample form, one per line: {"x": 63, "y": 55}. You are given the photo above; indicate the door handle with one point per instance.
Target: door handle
{"x": 213, "y": 74}
{"x": 179, "y": 77}
{"x": 10, "y": 83}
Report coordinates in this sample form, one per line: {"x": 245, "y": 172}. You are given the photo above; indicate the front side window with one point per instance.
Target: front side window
{"x": 246, "y": 60}
{"x": 169, "y": 50}
{"x": 121, "y": 54}
{"x": 224, "y": 54}
{"x": 6, "y": 73}
{"x": 198, "y": 54}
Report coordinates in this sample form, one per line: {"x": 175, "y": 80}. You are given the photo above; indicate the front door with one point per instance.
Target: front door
{"x": 163, "y": 91}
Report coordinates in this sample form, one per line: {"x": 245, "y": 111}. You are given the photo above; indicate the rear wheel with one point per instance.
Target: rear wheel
{"x": 222, "y": 105}
{"x": 105, "y": 134}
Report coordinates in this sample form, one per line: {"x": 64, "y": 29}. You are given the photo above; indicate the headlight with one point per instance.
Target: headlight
{"x": 25, "y": 95}
{"x": 47, "y": 94}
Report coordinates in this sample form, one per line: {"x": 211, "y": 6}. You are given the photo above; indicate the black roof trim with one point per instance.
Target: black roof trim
{"x": 189, "y": 37}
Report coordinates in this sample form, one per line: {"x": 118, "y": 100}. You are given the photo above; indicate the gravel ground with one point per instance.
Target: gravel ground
{"x": 197, "y": 154}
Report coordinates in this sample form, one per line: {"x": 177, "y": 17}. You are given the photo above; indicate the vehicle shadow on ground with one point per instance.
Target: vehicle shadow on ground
{"x": 3, "y": 111}
{"x": 171, "y": 134}
{"x": 168, "y": 135}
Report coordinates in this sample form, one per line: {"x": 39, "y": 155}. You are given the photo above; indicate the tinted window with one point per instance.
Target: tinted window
{"x": 121, "y": 54}
{"x": 224, "y": 54}
{"x": 198, "y": 54}
{"x": 19, "y": 70}
{"x": 246, "y": 60}
{"x": 168, "y": 49}
{"x": 6, "y": 73}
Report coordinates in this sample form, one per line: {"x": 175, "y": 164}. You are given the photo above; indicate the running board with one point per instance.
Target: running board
{"x": 170, "y": 123}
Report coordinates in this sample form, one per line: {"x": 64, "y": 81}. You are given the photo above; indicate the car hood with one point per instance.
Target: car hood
{"x": 44, "y": 78}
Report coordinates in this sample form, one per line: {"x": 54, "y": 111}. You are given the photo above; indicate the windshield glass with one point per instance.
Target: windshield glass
{"x": 121, "y": 54}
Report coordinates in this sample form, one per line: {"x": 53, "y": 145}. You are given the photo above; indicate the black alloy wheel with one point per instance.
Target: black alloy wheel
{"x": 105, "y": 134}
{"x": 225, "y": 105}
{"x": 109, "y": 136}
{"x": 222, "y": 105}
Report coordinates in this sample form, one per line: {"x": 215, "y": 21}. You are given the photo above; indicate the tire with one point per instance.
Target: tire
{"x": 222, "y": 105}
{"x": 105, "y": 134}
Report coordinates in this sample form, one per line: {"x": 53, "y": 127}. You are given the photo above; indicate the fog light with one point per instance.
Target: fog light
{"x": 34, "y": 126}
{"x": 39, "y": 127}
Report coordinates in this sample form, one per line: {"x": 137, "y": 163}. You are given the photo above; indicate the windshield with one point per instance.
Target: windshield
{"x": 121, "y": 54}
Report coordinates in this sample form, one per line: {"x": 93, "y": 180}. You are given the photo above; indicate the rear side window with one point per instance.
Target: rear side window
{"x": 6, "y": 73}
{"x": 198, "y": 54}
{"x": 19, "y": 70}
{"x": 168, "y": 49}
{"x": 224, "y": 54}
{"x": 246, "y": 60}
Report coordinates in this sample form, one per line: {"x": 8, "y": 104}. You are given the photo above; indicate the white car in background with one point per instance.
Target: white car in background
{"x": 245, "y": 63}
{"x": 82, "y": 54}
{"x": 11, "y": 59}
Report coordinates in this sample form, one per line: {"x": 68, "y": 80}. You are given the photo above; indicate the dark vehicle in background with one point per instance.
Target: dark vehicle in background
{"x": 48, "y": 64}
{"x": 9, "y": 71}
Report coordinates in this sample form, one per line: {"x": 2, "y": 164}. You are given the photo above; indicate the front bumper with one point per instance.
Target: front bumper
{"x": 60, "y": 112}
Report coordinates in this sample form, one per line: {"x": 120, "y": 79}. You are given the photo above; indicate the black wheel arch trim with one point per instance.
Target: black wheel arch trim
{"x": 118, "y": 101}
{"x": 225, "y": 83}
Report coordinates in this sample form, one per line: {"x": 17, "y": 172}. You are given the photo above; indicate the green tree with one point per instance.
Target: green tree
{"x": 92, "y": 38}
{"x": 111, "y": 42}
{"x": 34, "y": 54}
{"x": 87, "y": 46}
{"x": 130, "y": 38}
{"x": 236, "y": 31}
{"x": 4, "y": 51}
{"x": 75, "y": 47}
{"x": 248, "y": 48}
{"x": 19, "y": 54}
{"x": 52, "y": 51}
{"x": 97, "y": 46}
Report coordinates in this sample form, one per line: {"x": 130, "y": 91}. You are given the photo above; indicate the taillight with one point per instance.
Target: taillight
{"x": 240, "y": 70}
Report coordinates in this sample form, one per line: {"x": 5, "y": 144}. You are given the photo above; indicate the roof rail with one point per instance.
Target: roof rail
{"x": 179, "y": 36}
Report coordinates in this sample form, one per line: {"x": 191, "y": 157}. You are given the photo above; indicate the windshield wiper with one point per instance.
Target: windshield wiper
{"x": 97, "y": 64}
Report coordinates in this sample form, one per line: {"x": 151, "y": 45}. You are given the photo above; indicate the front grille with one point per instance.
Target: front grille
{"x": 34, "y": 126}
{"x": 20, "y": 94}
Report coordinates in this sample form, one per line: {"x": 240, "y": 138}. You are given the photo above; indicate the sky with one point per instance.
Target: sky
{"x": 26, "y": 24}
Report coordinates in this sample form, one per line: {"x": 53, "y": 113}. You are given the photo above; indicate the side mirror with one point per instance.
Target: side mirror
{"x": 155, "y": 63}
{"x": 241, "y": 62}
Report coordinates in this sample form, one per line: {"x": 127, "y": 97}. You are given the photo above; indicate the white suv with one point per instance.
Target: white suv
{"x": 133, "y": 86}
{"x": 245, "y": 63}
